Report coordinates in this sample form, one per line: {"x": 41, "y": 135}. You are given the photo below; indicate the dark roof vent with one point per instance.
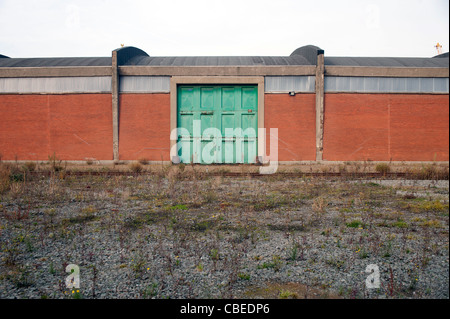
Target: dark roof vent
{"x": 126, "y": 54}
{"x": 443, "y": 55}
{"x": 309, "y": 52}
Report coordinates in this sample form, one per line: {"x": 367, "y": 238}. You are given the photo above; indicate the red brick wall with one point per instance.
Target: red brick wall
{"x": 398, "y": 127}
{"x": 295, "y": 118}
{"x": 419, "y": 127}
{"x": 144, "y": 127}
{"x": 73, "y": 126}
{"x": 401, "y": 127}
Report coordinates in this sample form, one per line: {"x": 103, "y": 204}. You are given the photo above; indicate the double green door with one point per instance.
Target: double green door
{"x": 217, "y": 123}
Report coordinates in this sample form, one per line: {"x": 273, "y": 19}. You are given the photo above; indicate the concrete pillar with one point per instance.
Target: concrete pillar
{"x": 115, "y": 105}
{"x": 320, "y": 69}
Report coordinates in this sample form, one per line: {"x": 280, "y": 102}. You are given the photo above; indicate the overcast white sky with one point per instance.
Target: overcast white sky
{"x": 52, "y": 28}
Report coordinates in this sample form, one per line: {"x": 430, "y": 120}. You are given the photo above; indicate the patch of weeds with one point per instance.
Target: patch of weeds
{"x": 214, "y": 254}
{"x": 209, "y": 196}
{"x": 373, "y": 184}
{"x": 89, "y": 210}
{"x": 52, "y": 269}
{"x": 29, "y": 166}
{"x": 243, "y": 233}
{"x": 362, "y": 253}
{"x": 431, "y": 171}
{"x": 29, "y": 244}
{"x": 23, "y": 280}
{"x": 10, "y": 252}
{"x": 287, "y": 228}
{"x": 55, "y": 163}
{"x": 134, "y": 223}
{"x": 433, "y": 223}
{"x": 151, "y": 291}
{"x": 136, "y": 167}
{"x": 199, "y": 267}
{"x": 326, "y": 232}
{"x": 338, "y": 263}
{"x": 274, "y": 264}
{"x": 270, "y": 202}
{"x": 426, "y": 206}
{"x": 388, "y": 249}
{"x": 293, "y": 251}
{"x": 178, "y": 207}
{"x": 400, "y": 224}
{"x": 137, "y": 265}
{"x": 244, "y": 276}
{"x": 382, "y": 168}
{"x": 355, "y": 224}
{"x": 87, "y": 215}
{"x": 319, "y": 205}
{"x": 286, "y": 294}
{"x": 76, "y": 294}
{"x": 5, "y": 181}
{"x": 16, "y": 176}
{"x": 202, "y": 226}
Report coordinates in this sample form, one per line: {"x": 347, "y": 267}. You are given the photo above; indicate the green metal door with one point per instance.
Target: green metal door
{"x": 217, "y": 124}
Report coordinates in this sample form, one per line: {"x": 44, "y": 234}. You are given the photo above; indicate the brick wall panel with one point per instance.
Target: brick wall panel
{"x": 71, "y": 126}
{"x": 144, "y": 127}
{"x": 295, "y": 117}
{"x": 24, "y": 127}
{"x": 383, "y": 127}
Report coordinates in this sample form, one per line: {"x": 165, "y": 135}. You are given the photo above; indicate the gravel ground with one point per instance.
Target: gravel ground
{"x": 173, "y": 236}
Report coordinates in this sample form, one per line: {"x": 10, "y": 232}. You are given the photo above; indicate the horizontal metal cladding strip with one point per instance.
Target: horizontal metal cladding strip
{"x": 386, "y": 85}
{"x": 284, "y": 84}
{"x": 217, "y": 70}
{"x": 144, "y": 84}
{"x": 386, "y": 71}
{"x": 56, "y": 85}
{"x": 33, "y": 72}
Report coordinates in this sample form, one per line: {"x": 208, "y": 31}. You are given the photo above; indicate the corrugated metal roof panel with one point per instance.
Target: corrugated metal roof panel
{"x": 137, "y": 57}
{"x": 387, "y": 62}
{"x": 54, "y": 62}
{"x": 218, "y": 61}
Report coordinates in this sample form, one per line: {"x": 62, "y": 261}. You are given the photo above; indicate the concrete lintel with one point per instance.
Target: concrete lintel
{"x": 217, "y": 70}
{"x": 386, "y": 71}
{"x": 36, "y": 72}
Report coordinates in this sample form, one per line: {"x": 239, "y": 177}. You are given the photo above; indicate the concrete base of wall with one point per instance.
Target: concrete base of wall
{"x": 284, "y": 167}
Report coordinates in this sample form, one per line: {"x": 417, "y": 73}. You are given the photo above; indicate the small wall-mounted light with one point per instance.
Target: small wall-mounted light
{"x": 292, "y": 93}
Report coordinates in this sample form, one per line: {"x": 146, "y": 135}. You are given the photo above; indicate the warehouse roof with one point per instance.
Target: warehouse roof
{"x": 388, "y": 62}
{"x": 49, "y": 62}
{"x": 305, "y": 55}
{"x": 218, "y": 61}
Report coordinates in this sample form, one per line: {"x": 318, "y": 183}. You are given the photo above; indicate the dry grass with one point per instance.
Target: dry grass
{"x": 382, "y": 168}
{"x": 136, "y": 167}
{"x": 4, "y": 179}
{"x": 218, "y": 220}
